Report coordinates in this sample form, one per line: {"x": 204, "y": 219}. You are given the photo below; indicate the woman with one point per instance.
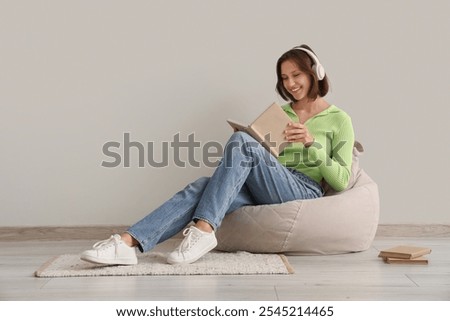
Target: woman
{"x": 322, "y": 141}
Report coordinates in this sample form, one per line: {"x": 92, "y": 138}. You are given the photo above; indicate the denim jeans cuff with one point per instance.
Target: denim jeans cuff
{"x": 139, "y": 246}
{"x": 196, "y": 218}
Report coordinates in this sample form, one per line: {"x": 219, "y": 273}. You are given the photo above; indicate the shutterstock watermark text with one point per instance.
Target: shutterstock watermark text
{"x": 184, "y": 152}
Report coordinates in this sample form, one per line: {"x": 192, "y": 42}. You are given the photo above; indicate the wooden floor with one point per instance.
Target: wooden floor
{"x": 357, "y": 276}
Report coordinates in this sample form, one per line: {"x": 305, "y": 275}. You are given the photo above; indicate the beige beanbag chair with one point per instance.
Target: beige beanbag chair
{"x": 336, "y": 223}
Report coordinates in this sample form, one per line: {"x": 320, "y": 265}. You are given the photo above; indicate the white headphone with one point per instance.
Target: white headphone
{"x": 317, "y": 66}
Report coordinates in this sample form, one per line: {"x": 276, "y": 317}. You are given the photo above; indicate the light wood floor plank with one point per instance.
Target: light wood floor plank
{"x": 356, "y": 276}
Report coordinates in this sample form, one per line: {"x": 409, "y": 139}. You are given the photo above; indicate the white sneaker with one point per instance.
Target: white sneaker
{"x": 195, "y": 244}
{"x": 112, "y": 251}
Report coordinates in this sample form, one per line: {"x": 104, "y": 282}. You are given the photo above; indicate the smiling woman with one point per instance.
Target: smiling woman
{"x": 315, "y": 126}
{"x": 301, "y": 62}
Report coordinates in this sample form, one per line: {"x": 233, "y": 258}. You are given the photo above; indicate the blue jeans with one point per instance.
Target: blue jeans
{"x": 246, "y": 175}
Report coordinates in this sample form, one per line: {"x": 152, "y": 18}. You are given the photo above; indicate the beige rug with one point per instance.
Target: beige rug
{"x": 213, "y": 263}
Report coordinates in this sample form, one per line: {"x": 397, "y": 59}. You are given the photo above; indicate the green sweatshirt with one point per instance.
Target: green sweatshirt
{"x": 330, "y": 156}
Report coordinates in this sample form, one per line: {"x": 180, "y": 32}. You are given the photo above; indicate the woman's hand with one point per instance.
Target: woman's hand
{"x": 298, "y": 133}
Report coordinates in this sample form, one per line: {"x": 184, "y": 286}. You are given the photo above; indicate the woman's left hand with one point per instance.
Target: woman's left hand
{"x": 298, "y": 133}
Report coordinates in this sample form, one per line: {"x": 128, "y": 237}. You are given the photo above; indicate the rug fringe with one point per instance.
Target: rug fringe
{"x": 39, "y": 272}
{"x": 287, "y": 264}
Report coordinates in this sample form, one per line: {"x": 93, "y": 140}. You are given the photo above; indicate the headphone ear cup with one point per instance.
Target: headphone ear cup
{"x": 319, "y": 70}
{"x": 317, "y": 66}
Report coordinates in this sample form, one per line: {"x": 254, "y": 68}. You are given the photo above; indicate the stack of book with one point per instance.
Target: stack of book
{"x": 405, "y": 254}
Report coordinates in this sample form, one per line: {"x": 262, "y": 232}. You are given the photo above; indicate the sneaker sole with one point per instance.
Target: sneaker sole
{"x": 208, "y": 249}
{"x": 93, "y": 259}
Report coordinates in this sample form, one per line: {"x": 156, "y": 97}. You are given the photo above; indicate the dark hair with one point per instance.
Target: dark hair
{"x": 304, "y": 62}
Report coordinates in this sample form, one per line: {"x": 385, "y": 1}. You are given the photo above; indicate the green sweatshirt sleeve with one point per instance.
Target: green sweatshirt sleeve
{"x": 335, "y": 160}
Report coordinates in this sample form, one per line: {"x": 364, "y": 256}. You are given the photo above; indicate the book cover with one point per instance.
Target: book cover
{"x": 417, "y": 260}
{"x": 268, "y": 128}
{"x": 405, "y": 252}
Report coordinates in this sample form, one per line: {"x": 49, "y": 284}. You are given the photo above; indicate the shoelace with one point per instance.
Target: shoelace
{"x": 189, "y": 240}
{"x": 102, "y": 245}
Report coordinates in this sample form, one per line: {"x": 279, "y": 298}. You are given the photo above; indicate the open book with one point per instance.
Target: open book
{"x": 268, "y": 129}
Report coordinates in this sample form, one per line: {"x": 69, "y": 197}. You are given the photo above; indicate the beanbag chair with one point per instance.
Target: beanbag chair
{"x": 339, "y": 222}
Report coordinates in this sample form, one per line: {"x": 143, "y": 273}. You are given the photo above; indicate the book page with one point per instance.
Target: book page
{"x": 268, "y": 129}
{"x": 271, "y": 125}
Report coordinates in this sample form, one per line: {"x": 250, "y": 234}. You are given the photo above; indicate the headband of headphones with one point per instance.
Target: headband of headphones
{"x": 317, "y": 66}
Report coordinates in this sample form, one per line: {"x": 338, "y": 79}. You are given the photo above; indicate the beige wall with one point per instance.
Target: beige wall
{"x": 77, "y": 74}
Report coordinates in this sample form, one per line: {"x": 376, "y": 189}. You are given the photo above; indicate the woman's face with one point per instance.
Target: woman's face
{"x": 295, "y": 81}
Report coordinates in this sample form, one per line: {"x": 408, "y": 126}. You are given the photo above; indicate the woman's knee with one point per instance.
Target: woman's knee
{"x": 241, "y": 141}
{"x": 241, "y": 136}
